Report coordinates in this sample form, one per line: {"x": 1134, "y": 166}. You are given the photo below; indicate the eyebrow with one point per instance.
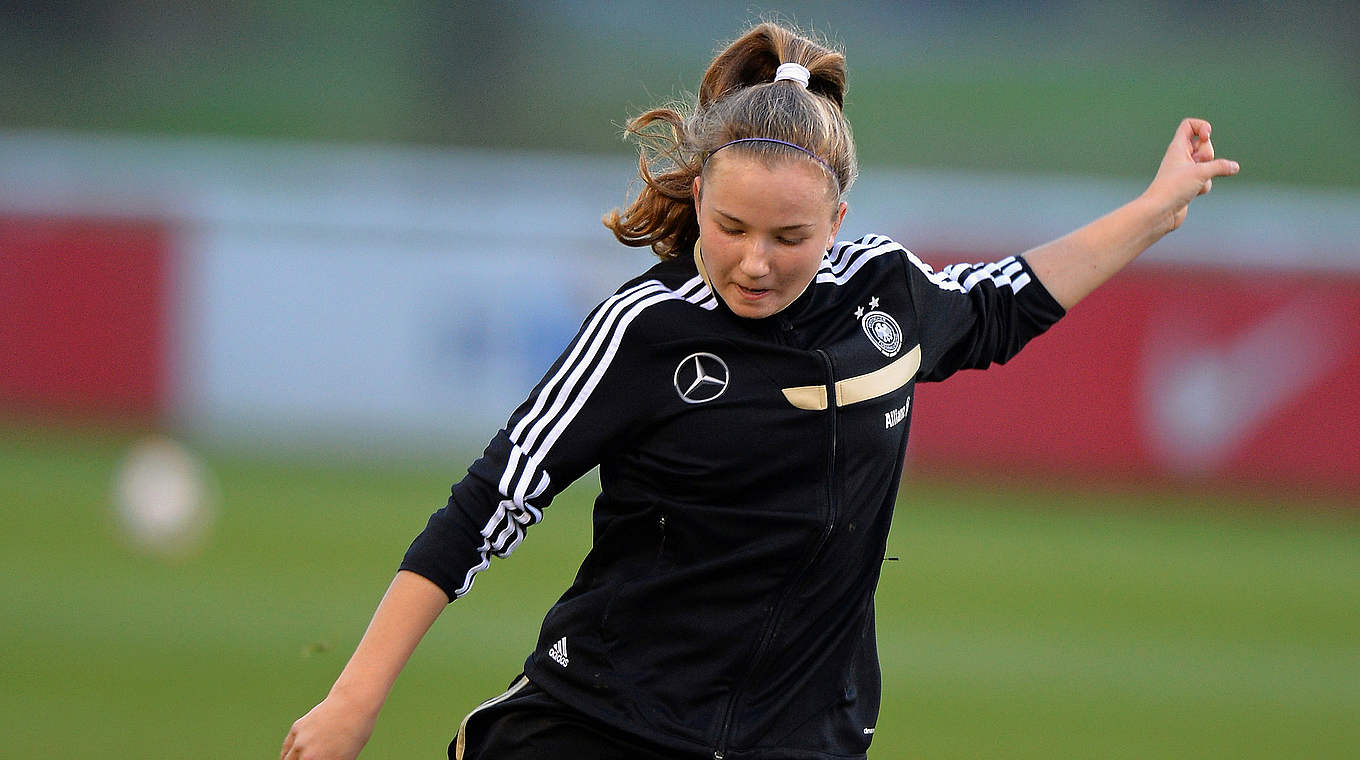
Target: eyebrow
{"x": 786, "y": 227}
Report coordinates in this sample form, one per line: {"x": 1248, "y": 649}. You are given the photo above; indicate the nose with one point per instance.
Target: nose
{"x": 755, "y": 262}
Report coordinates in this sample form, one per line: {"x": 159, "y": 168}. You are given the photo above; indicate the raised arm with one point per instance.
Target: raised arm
{"x": 339, "y": 727}
{"x": 1077, "y": 263}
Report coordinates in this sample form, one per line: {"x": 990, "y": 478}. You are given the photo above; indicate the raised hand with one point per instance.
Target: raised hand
{"x": 1187, "y": 170}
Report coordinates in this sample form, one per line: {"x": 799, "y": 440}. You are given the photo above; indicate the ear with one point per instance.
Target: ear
{"x": 836, "y": 223}
{"x": 697, "y": 190}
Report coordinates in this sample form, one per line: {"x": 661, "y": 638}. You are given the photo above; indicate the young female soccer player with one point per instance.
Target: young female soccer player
{"x": 747, "y": 401}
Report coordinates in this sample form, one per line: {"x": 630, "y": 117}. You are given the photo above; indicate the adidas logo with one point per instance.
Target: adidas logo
{"x": 559, "y": 652}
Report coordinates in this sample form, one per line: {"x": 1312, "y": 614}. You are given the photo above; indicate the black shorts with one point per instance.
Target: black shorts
{"x": 525, "y": 723}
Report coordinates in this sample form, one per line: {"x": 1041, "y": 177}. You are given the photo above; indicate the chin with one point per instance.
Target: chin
{"x": 756, "y": 312}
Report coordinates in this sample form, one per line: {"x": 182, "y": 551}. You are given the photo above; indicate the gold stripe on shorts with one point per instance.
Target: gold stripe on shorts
{"x": 460, "y": 743}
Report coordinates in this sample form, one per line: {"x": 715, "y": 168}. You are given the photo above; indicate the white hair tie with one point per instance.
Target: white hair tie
{"x": 794, "y": 71}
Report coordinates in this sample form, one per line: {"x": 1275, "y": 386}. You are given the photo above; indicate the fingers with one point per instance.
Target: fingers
{"x": 1219, "y": 168}
{"x": 1191, "y": 128}
{"x": 1189, "y": 134}
{"x": 1193, "y": 137}
{"x": 1203, "y": 151}
{"x": 1188, "y": 168}
{"x": 1192, "y": 141}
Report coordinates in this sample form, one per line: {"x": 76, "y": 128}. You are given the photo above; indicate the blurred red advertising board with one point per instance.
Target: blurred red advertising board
{"x": 83, "y": 316}
{"x": 1250, "y": 377}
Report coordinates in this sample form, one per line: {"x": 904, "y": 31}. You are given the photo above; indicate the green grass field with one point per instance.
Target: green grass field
{"x": 1019, "y": 623}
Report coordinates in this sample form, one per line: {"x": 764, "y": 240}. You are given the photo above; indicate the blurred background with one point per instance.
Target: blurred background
{"x": 271, "y": 273}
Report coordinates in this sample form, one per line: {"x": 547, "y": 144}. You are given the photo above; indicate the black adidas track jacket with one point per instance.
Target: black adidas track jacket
{"x": 748, "y": 472}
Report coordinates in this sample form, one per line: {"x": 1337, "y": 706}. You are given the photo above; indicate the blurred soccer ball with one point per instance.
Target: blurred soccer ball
{"x": 162, "y": 499}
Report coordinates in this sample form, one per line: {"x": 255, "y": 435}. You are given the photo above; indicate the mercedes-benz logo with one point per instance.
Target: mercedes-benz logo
{"x": 700, "y": 377}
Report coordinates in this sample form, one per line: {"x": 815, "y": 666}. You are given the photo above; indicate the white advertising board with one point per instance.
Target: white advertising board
{"x": 334, "y": 294}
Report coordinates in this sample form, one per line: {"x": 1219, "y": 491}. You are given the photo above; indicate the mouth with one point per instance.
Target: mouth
{"x": 753, "y": 294}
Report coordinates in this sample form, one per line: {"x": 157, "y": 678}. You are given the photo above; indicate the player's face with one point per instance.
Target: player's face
{"x": 764, "y": 229}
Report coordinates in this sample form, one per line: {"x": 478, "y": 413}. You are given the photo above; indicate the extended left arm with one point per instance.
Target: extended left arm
{"x": 1077, "y": 263}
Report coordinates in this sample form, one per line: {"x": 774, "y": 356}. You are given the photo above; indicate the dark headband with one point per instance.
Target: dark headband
{"x": 795, "y": 146}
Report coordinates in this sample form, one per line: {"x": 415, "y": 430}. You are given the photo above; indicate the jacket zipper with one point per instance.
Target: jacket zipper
{"x": 783, "y": 331}
{"x": 767, "y": 633}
